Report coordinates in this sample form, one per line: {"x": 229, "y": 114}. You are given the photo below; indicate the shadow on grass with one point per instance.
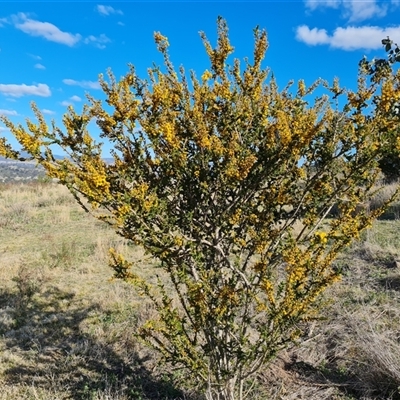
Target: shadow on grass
{"x": 47, "y": 349}
{"x": 327, "y": 375}
{"x": 355, "y": 380}
{"x": 391, "y": 283}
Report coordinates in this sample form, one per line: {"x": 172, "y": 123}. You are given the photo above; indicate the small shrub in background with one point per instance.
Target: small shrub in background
{"x": 28, "y": 284}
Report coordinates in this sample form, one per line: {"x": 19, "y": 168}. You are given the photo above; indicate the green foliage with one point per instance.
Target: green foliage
{"x": 390, "y": 165}
{"x": 227, "y": 182}
{"x": 389, "y": 162}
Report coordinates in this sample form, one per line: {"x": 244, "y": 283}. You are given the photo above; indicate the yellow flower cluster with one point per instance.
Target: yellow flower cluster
{"x": 196, "y": 294}
{"x": 207, "y": 75}
{"x": 321, "y": 237}
{"x": 5, "y": 150}
{"x": 90, "y": 178}
{"x": 283, "y": 127}
{"x": 245, "y": 165}
{"x": 297, "y": 276}
{"x": 121, "y": 267}
{"x": 54, "y": 171}
{"x": 301, "y": 88}
{"x": 222, "y": 91}
{"x": 253, "y": 218}
{"x": 87, "y": 140}
{"x": 238, "y": 165}
{"x": 389, "y": 95}
{"x": 268, "y": 288}
{"x": 350, "y": 228}
{"x": 159, "y": 38}
{"x": 235, "y": 218}
{"x": 353, "y": 99}
{"x": 224, "y": 300}
{"x": 159, "y": 93}
{"x": 398, "y": 143}
{"x": 96, "y": 175}
{"x": 178, "y": 241}
{"x": 170, "y": 135}
{"x": 204, "y": 140}
{"x": 303, "y": 126}
{"x": 229, "y": 296}
{"x": 122, "y": 211}
{"x": 295, "y": 299}
{"x": 139, "y": 192}
{"x": 30, "y": 143}
{"x": 146, "y": 199}
{"x": 217, "y": 146}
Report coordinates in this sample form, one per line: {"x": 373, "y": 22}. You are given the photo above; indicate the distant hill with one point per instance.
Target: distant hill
{"x": 25, "y": 171}
{"x": 107, "y": 160}
{"x": 24, "y": 154}
{"x": 14, "y": 171}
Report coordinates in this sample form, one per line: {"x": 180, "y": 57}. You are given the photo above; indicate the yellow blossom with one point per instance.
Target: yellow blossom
{"x": 206, "y": 75}
{"x": 321, "y": 237}
{"x": 283, "y": 128}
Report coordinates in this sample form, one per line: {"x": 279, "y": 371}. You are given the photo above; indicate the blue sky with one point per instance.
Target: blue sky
{"x": 53, "y": 52}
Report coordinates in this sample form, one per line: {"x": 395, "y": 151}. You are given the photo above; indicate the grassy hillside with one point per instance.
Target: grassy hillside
{"x": 66, "y": 327}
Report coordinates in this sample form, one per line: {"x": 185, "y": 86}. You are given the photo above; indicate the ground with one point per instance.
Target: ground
{"x": 66, "y": 327}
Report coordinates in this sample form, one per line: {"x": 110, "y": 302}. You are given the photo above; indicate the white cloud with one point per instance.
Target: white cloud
{"x": 107, "y": 10}
{"x": 52, "y": 33}
{"x": 75, "y": 98}
{"x": 97, "y": 41}
{"x": 39, "y": 66}
{"x": 3, "y": 21}
{"x": 48, "y": 112}
{"x": 360, "y": 11}
{"x": 45, "y": 30}
{"x": 83, "y": 84}
{"x": 349, "y": 38}
{"x": 355, "y": 10}
{"x": 14, "y": 90}
{"x": 311, "y": 36}
{"x": 3, "y": 129}
{"x": 66, "y": 103}
{"x": 34, "y": 56}
{"x": 8, "y": 112}
{"x": 120, "y": 23}
{"x": 313, "y": 4}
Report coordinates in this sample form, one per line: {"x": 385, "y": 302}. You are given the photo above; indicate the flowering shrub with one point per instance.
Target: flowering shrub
{"x": 389, "y": 163}
{"x": 228, "y": 183}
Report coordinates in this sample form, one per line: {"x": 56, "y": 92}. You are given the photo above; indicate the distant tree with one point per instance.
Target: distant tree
{"x": 227, "y": 182}
{"x": 381, "y": 70}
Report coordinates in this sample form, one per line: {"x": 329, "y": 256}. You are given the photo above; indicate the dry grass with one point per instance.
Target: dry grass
{"x": 385, "y": 192}
{"x": 67, "y": 330}
{"x": 354, "y": 352}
